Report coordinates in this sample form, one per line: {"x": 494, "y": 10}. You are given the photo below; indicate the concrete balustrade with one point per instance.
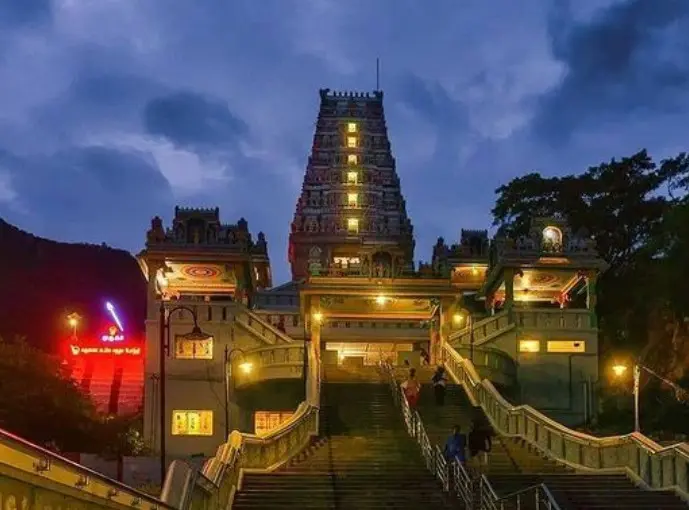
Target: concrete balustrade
{"x": 643, "y": 459}
{"x": 221, "y": 476}
{"x": 536, "y": 319}
{"x": 483, "y": 330}
{"x": 33, "y": 478}
{"x": 492, "y": 364}
{"x": 284, "y": 361}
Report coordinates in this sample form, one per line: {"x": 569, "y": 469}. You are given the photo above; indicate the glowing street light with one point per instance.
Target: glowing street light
{"x": 619, "y": 370}
{"x": 318, "y": 317}
{"x": 246, "y": 367}
{"x": 73, "y": 320}
{"x": 458, "y": 318}
{"x": 381, "y": 300}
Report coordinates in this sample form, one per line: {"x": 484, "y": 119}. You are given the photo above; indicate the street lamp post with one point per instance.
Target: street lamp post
{"x": 245, "y": 366}
{"x": 164, "y": 349}
{"x": 619, "y": 370}
{"x": 73, "y": 321}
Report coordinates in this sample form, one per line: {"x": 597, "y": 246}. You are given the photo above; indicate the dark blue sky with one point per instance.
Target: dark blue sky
{"x": 113, "y": 111}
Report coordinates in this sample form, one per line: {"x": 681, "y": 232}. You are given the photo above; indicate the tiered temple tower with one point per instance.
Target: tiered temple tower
{"x": 351, "y": 213}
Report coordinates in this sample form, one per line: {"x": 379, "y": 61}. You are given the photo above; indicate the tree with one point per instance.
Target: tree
{"x": 39, "y": 402}
{"x": 631, "y": 209}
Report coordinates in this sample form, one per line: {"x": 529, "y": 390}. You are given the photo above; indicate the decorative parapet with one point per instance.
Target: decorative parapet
{"x": 202, "y": 227}
{"x": 640, "y": 457}
{"x": 337, "y": 94}
{"x": 24, "y": 466}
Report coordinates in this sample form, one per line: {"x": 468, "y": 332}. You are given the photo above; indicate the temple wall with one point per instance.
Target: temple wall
{"x": 557, "y": 384}
{"x": 195, "y": 384}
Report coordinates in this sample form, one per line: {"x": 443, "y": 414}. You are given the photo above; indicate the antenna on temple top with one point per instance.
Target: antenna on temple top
{"x": 377, "y": 74}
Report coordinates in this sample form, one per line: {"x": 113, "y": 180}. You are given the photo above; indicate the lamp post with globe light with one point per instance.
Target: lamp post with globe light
{"x": 619, "y": 369}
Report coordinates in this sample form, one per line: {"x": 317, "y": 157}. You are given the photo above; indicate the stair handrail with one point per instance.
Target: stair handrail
{"x": 434, "y": 457}
{"x": 540, "y": 492}
{"x": 278, "y": 335}
{"x": 572, "y": 448}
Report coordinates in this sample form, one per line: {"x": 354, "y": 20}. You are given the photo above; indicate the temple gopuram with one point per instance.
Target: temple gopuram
{"x": 523, "y": 310}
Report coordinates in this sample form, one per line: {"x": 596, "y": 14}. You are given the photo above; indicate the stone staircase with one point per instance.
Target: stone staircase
{"x": 364, "y": 459}
{"x": 514, "y": 465}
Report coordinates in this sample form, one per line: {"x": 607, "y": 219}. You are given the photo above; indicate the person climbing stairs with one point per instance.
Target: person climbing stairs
{"x": 514, "y": 465}
{"x": 363, "y": 460}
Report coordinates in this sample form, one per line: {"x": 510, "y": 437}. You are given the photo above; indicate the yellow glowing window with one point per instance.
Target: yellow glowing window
{"x": 529, "y": 346}
{"x": 266, "y": 421}
{"x": 352, "y": 177}
{"x": 353, "y": 199}
{"x": 192, "y": 423}
{"x": 566, "y": 346}
{"x": 351, "y": 142}
{"x": 193, "y": 349}
{"x": 353, "y": 225}
{"x": 352, "y": 159}
{"x": 351, "y": 127}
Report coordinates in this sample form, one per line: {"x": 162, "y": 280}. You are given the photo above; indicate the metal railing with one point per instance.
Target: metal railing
{"x": 456, "y": 478}
{"x": 536, "y": 497}
{"x": 460, "y": 481}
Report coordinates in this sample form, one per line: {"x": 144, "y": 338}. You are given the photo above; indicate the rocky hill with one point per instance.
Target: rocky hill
{"x": 42, "y": 281}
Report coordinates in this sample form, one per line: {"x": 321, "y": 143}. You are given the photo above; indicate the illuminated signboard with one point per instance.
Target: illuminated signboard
{"x": 78, "y": 350}
{"x": 113, "y": 335}
{"x": 111, "y": 344}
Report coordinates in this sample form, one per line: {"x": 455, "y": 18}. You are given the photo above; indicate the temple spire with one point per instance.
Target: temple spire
{"x": 351, "y": 203}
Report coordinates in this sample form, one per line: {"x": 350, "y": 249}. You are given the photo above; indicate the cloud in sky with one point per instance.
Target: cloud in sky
{"x": 114, "y": 111}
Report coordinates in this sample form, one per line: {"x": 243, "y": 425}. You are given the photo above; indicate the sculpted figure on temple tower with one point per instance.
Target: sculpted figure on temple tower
{"x": 261, "y": 244}
{"x": 156, "y": 234}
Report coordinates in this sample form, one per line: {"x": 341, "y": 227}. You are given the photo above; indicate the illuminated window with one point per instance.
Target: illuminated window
{"x": 192, "y": 423}
{"x": 351, "y": 127}
{"x": 352, "y": 177}
{"x": 266, "y": 421}
{"x": 193, "y": 349}
{"x": 529, "y": 346}
{"x": 352, "y": 199}
{"x": 351, "y": 142}
{"x": 353, "y": 225}
{"x": 352, "y": 159}
{"x": 566, "y": 346}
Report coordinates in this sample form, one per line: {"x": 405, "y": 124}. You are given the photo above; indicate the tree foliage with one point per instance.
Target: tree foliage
{"x": 40, "y": 403}
{"x": 638, "y": 213}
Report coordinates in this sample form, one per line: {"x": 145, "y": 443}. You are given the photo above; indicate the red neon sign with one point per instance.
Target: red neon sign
{"x": 77, "y": 350}
{"x": 111, "y": 344}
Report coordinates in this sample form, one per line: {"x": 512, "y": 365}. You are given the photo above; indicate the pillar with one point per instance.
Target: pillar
{"x": 152, "y": 289}
{"x": 508, "y": 275}
{"x": 592, "y": 297}
{"x": 314, "y": 369}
